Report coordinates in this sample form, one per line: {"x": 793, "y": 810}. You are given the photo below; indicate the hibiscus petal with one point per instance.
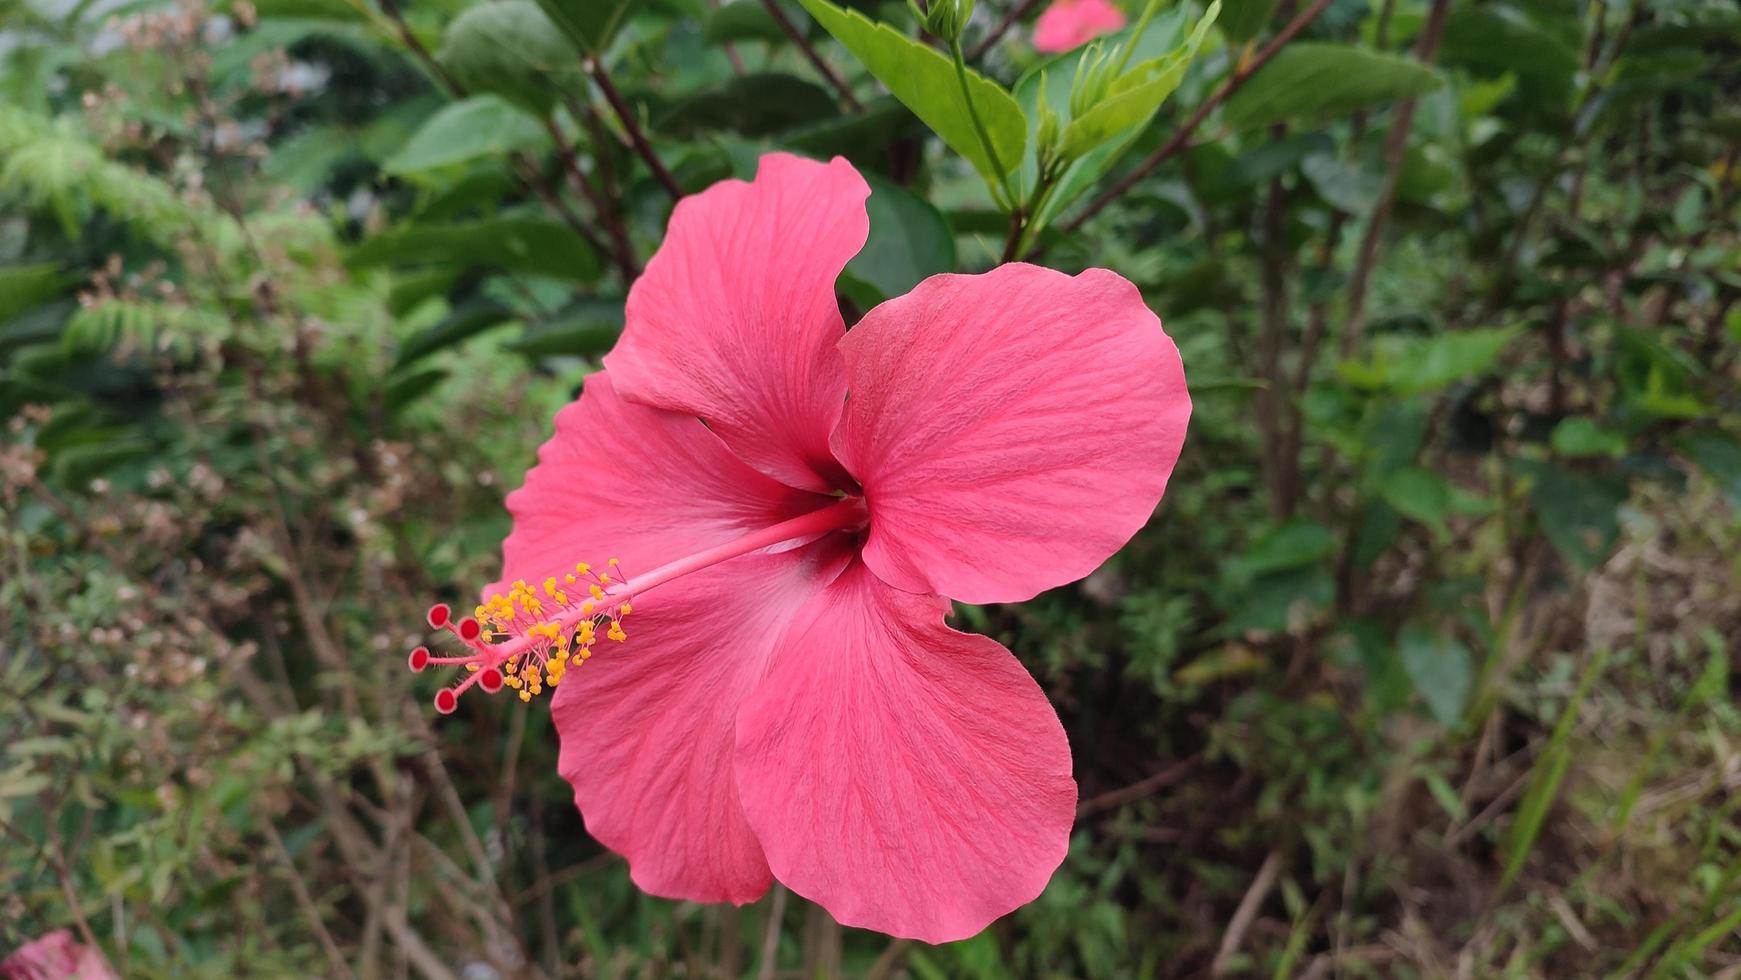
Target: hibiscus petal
{"x": 1011, "y": 430}
{"x": 906, "y": 777}
{"x": 735, "y": 319}
{"x": 647, "y": 726}
{"x": 635, "y": 483}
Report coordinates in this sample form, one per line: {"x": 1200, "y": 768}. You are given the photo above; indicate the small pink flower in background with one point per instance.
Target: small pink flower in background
{"x": 55, "y": 956}
{"x": 1068, "y": 24}
{"x": 790, "y": 504}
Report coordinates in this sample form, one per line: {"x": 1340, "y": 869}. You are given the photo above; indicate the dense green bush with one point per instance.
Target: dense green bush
{"x": 1423, "y": 667}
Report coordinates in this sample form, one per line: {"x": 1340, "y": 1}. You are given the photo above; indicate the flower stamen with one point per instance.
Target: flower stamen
{"x": 527, "y": 638}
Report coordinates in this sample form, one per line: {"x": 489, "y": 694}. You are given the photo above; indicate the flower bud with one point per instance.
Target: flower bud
{"x": 946, "y": 18}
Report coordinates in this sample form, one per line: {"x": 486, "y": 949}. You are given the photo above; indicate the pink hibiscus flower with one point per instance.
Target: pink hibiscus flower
{"x": 1068, "y": 24}
{"x": 55, "y": 956}
{"x": 797, "y": 501}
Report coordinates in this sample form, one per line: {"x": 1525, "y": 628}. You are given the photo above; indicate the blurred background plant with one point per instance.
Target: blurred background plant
{"x": 1424, "y": 667}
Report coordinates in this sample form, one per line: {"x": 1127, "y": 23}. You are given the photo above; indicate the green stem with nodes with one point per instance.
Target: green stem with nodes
{"x": 1009, "y": 197}
{"x": 1022, "y": 225}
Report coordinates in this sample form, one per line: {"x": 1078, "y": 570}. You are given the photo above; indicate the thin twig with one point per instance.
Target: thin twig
{"x": 305, "y": 902}
{"x": 771, "y": 934}
{"x": 1182, "y": 135}
{"x": 1396, "y": 146}
{"x": 637, "y": 139}
{"x": 620, "y": 249}
{"x": 1246, "y": 913}
{"x": 1010, "y": 20}
{"x": 1137, "y": 790}
{"x": 828, "y": 71}
{"x": 1274, "y": 313}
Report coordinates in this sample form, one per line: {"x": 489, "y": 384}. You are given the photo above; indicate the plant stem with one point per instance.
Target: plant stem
{"x": 1136, "y": 35}
{"x": 1395, "y": 150}
{"x": 816, "y": 60}
{"x": 595, "y": 68}
{"x": 621, "y": 250}
{"x": 1010, "y": 20}
{"x": 1003, "y": 175}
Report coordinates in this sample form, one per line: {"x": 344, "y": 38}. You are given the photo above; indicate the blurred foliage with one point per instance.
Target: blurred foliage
{"x": 1425, "y": 666}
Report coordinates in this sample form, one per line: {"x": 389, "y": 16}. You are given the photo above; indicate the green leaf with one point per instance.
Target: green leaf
{"x": 23, "y": 287}
{"x": 1343, "y": 184}
{"x": 509, "y": 48}
{"x": 478, "y": 127}
{"x": 458, "y": 326}
{"x": 760, "y": 104}
{"x": 1298, "y": 543}
{"x": 516, "y": 244}
{"x": 306, "y": 160}
{"x": 1418, "y": 494}
{"x": 1412, "y": 366}
{"x": 1492, "y": 41}
{"x": 909, "y": 240}
{"x": 1719, "y": 455}
{"x": 1137, "y": 95}
{"x": 1314, "y": 80}
{"x": 925, "y": 82}
{"x": 1241, "y": 20}
{"x": 1441, "y": 669}
{"x": 1581, "y": 436}
{"x": 585, "y": 333}
{"x": 1051, "y": 81}
{"x": 1546, "y": 776}
{"x": 589, "y": 25}
{"x": 1577, "y": 511}
{"x": 746, "y": 20}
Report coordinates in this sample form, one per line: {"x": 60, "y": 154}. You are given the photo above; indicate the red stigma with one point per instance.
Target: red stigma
{"x": 419, "y": 659}
{"x": 446, "y": 701}
{"x": 490, "y": 680}
{"x": 468, "y": 627}
{"x": 439, "y": 614}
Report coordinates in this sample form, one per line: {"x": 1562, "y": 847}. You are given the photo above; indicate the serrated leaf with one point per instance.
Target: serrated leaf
{"x": 482, "y": 126}
{"x": 1313, "y": 80}
{"x": 925, "y": 81}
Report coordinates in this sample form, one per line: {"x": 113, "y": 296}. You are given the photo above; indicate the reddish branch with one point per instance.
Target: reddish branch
{"x": 632, "y": 127}
{"x": 1396, "y": 146}
{"x": 1010, "y": 20}
{"x": 834, "y": 78}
